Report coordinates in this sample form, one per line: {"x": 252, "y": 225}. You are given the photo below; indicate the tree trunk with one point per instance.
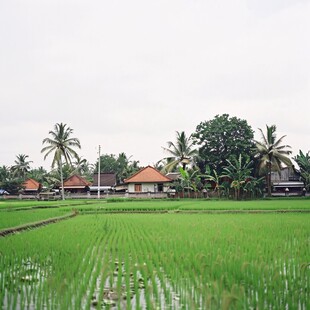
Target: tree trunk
{"x": 62, "y": 180}
{"x": 269, "y": 180}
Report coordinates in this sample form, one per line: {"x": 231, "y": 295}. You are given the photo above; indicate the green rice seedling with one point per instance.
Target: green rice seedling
{"x": 207, "y": 261}
{"x": 18, "y": 218}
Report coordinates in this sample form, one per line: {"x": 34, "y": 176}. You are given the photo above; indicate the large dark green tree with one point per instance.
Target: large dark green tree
{"x": 121, "y": 165}
{"x": 181, "y": 152}
{"x": 222, "y": 138}
{"x": 61, "y": 145}
{"x": 271, "y": 154}
{"x": 107, "y": 163}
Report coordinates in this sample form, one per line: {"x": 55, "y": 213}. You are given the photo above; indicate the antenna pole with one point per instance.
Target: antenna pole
{"x": 99, "y": 173}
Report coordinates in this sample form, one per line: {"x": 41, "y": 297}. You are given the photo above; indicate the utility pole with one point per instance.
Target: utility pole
{"x": 99, "y": 173}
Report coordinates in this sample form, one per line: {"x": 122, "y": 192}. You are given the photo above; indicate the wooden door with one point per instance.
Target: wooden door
{"x": 138, "y": 187}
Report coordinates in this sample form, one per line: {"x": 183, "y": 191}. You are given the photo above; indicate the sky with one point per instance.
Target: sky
{"x": 126, "y": 75}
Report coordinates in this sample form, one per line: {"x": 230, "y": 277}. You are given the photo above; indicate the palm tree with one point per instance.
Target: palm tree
{"x": 22, "y": 166}
{"x": 5, "y": 174}
{"x": 61, "y": 144}
{"x": 182, "y": 151}
{"x": 39, "y": 174}
{"x": 271, "y": 154}
{"x": 83, "y": 167}
{"x": 10, "y": 181}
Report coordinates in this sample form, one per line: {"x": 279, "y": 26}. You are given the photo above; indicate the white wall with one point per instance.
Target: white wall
{"x": 146, "y": 187}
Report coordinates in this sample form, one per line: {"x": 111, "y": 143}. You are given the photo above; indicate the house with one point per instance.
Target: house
{"x": 31, "y": 187}
{"x": 76, "y": 184}
{"x": 148, "y": 180}
{"x": 107, "y": 182}
{"x": 287, "y": 181}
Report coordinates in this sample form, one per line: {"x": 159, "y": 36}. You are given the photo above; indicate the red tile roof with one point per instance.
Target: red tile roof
{"x": 31, "y": 184}
{"x": 76, "y": 180}
{"x": 148, "y": 175}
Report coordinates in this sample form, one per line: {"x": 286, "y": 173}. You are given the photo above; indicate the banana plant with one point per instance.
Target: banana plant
{"x": 303, "y": 161}
{"x": 239, "y": 172}
{"x": 189, "y": 179}
{"x": 213, "y": 176}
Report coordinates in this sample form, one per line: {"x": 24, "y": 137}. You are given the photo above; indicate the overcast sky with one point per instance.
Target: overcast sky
{"x": 128, "y": 74}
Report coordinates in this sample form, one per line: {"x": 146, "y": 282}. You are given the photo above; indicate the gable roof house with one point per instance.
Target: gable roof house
{"x": 148, "y": 180}
{"x": 107, "y": 182}
{"x": 288, "y": 178}
{"x": 76, "y": 184}
{"x": 31, "y": 187}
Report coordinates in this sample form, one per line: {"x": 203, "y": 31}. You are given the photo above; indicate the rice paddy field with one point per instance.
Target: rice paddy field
{"x": 191, "y": 254}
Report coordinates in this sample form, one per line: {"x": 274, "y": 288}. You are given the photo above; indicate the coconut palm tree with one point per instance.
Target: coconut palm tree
{"x": 22, "y": 166}
{"x": 182, "y": 152}
{"x": 61, "y": 144}
{"x": 10, "y": 181}
{"x": 5, "y": 173}
{"x": 39, "y": 174}
{"x": 83, "y": 168}
{"x": 271, "y": 154}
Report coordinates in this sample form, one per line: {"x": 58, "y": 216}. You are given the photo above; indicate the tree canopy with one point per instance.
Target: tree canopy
{"x": 121, "y": 165}
{"x": 222, "y": 138}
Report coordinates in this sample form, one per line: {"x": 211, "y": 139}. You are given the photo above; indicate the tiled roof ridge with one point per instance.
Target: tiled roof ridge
{"x": 31, "y": 182}
{"x": 141, "y": 171}
{"x": 83, "y": 181}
